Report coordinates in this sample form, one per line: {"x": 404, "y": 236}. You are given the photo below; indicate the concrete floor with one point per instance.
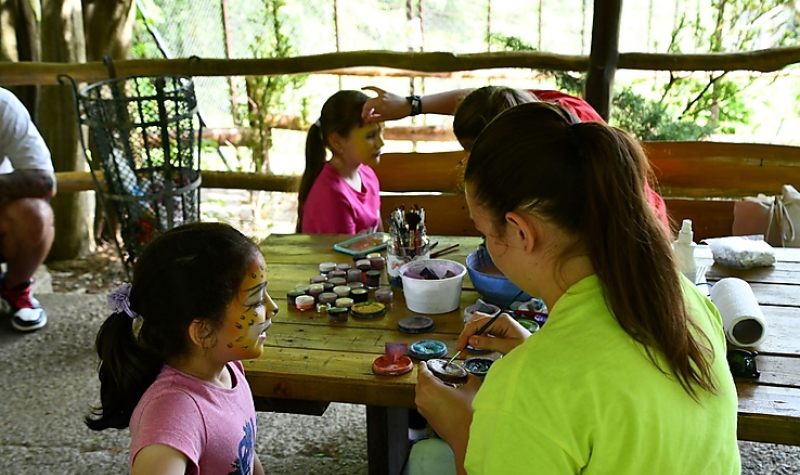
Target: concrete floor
{"x": 49, "y": 383}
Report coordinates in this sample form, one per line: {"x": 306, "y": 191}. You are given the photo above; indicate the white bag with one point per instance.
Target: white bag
{"x": 776, "y": 217}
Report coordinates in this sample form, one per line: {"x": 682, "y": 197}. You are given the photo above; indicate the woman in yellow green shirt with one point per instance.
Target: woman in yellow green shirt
{"x": 629, "y": 374}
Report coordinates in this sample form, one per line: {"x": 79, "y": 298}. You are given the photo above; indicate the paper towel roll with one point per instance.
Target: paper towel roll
{"x": 742, "y": 318}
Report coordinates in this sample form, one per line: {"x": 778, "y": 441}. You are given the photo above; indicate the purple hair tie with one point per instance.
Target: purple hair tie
{"x": 119, "y": 300}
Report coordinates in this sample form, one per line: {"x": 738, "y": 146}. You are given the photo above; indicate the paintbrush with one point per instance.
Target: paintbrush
{"x": 479, "y": 332}
{"x": 444, "y": 250}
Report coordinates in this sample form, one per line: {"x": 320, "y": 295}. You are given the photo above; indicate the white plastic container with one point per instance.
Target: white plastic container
{"x": 684, "y": 250}
{"x": 432, "y": 296}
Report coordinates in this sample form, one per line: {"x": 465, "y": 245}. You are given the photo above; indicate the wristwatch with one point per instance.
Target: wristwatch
{"x": 416, "y": 104}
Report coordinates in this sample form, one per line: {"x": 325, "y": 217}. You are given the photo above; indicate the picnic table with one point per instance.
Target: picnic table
{"x": 308, "y": 362}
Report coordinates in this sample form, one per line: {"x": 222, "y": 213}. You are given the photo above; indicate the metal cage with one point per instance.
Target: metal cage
{"x": 147, "y": 135}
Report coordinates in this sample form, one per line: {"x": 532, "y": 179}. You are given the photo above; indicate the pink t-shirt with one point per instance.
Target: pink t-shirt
{"x": 214, "y": 427}
{"x": 334, "y": 207}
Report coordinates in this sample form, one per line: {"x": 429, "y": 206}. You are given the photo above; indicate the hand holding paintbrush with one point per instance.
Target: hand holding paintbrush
{"x": 506, "y": 333}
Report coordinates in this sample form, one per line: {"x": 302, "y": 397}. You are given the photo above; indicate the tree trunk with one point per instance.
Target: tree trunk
{"x": 63, "y": 41}
{"x": 108, "y": 29}
{"x": 19, "y": 41}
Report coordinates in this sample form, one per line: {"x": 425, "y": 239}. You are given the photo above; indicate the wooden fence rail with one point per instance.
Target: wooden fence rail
{"x": 25, "y": 73}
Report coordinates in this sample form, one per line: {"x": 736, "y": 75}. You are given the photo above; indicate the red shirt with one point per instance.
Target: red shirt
{"x": 586, "y": 113}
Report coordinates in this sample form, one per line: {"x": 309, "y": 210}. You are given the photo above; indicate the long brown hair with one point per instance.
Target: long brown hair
{"x": 588, "y": 178}
{"x": 341, "y": 113}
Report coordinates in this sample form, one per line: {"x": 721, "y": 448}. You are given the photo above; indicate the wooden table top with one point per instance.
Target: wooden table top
{"x": 306, "y": 358}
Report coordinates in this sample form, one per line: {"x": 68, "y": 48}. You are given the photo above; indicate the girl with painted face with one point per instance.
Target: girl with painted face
{"x": 629, "y": 374}
{"x": 341, "y": 194}
{"x": 169, "y": 353}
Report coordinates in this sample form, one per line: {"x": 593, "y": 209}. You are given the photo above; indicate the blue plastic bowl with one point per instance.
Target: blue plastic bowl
{"x": 494, "y": 288}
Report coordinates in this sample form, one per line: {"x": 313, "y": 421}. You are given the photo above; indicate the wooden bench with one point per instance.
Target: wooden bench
{"x": 698, "y": 180}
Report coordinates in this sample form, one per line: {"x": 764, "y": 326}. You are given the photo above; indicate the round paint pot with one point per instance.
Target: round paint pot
{"x": 338, "y": 281}
{"x": 354, "y": 275}
{"x": 377, "y": 262}
{"x": 325, "y": 267}
{"x": 355, "y": 285}
{"x": 292, "y": 295}
{"x": 304, "y": 302}
{"x": 372, "y": 255}
{"x": 345, "y": 302}
{"x": 315, "y": 289}
{"x": 327, "y": 298}
{"x": 427, "y": 349}
{"x": 373, "y": 279}
{"x": 302, "y": 288}
{"x": 343, "y": 266}
{"x": 327, "y": 287}
{"x": 478, "y": 366}
{"x": 337, "y": 273}
{"x": 363, "y": 265}
{"x": 368, "y": 310}
{"x": 338, "y": 314}
{"x": 415, "y": 324}
{"x": 341, "y": 290}
{"x": 453, "y": 373}
{"x": 384, "y": 295}
{"x": 384, "y": 367}
{"x": 317, "y": 279}
{"x": 359, "y": 295}
{"x": 529, "y": 325}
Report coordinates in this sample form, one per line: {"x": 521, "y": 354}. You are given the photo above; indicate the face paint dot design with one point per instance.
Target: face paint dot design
{"x": 248, "y": 315}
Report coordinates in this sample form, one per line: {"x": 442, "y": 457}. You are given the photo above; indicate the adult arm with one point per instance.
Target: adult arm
{"x": 388, "y": 106}
{"x": 159, "y": 459}
{"x": 27, "y": 184}
{"x": 448, "y": 410}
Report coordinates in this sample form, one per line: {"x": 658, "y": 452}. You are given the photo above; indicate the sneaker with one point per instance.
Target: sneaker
{"x": 27, "y": 312}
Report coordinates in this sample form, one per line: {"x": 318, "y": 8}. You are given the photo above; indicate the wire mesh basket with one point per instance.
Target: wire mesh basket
{"x": 147, "y": 136}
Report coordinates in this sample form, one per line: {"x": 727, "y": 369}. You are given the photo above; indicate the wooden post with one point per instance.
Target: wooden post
{"x": 604, "y": 55}
{"x": 63, "y": 41}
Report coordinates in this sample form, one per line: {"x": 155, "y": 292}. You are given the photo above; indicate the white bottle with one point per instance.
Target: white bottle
{"x": 684, "y": 250}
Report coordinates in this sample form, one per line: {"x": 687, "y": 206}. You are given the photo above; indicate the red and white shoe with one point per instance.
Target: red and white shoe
{"x": 27, "y": 312}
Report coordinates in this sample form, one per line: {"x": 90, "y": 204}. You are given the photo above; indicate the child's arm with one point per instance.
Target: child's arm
{"x": 258, "y": 469}
{"x": 159, "y": 459}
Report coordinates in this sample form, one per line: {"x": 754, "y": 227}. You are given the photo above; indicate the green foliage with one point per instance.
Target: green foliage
{"x": 266, "y": 94}
{"x": 650, "y": 120}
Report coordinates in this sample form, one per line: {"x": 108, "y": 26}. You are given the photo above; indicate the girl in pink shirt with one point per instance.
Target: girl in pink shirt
{"x": 341, "y": 195}
{"x": 169, "y": 353}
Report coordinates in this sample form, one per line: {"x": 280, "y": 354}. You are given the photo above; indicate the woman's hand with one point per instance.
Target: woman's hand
{"x": 447, "y": 409}
{"x": 503, "y": 335}
{"x": 385, "y": 106}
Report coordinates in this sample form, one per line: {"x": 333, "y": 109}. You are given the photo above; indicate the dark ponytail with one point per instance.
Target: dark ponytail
{"x": 190, "y": 272}
{"x": 341, "y": 113}
{"x": 589, "y": 179}
{"x": 315, "y": 160}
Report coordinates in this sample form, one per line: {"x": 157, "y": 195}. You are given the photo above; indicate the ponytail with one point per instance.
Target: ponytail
{"x": 589, "y": 179}
{"x": 126, "y": 371}
{"x": 315, "y": 161}
{"x": 618, "y": 215}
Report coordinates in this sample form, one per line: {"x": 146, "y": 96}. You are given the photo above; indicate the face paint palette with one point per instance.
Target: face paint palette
{"x": 478, "y": 366}
{"x": 367, "y": 310}
{"x": 415, "y": 324}
{"x": 393, "y": 362}
{"x": 427, "y": 349}
{"x": 453, "y": 373}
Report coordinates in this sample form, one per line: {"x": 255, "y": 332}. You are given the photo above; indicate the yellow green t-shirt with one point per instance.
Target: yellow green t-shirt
{"x": 581, "y": 396}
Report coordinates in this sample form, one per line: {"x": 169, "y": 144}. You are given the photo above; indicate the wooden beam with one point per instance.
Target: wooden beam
{"x": 410, "y": 63}
{"x": 604, "y": 55}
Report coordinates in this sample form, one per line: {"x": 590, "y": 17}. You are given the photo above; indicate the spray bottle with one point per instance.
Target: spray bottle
{"x": 684, "y": 250}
